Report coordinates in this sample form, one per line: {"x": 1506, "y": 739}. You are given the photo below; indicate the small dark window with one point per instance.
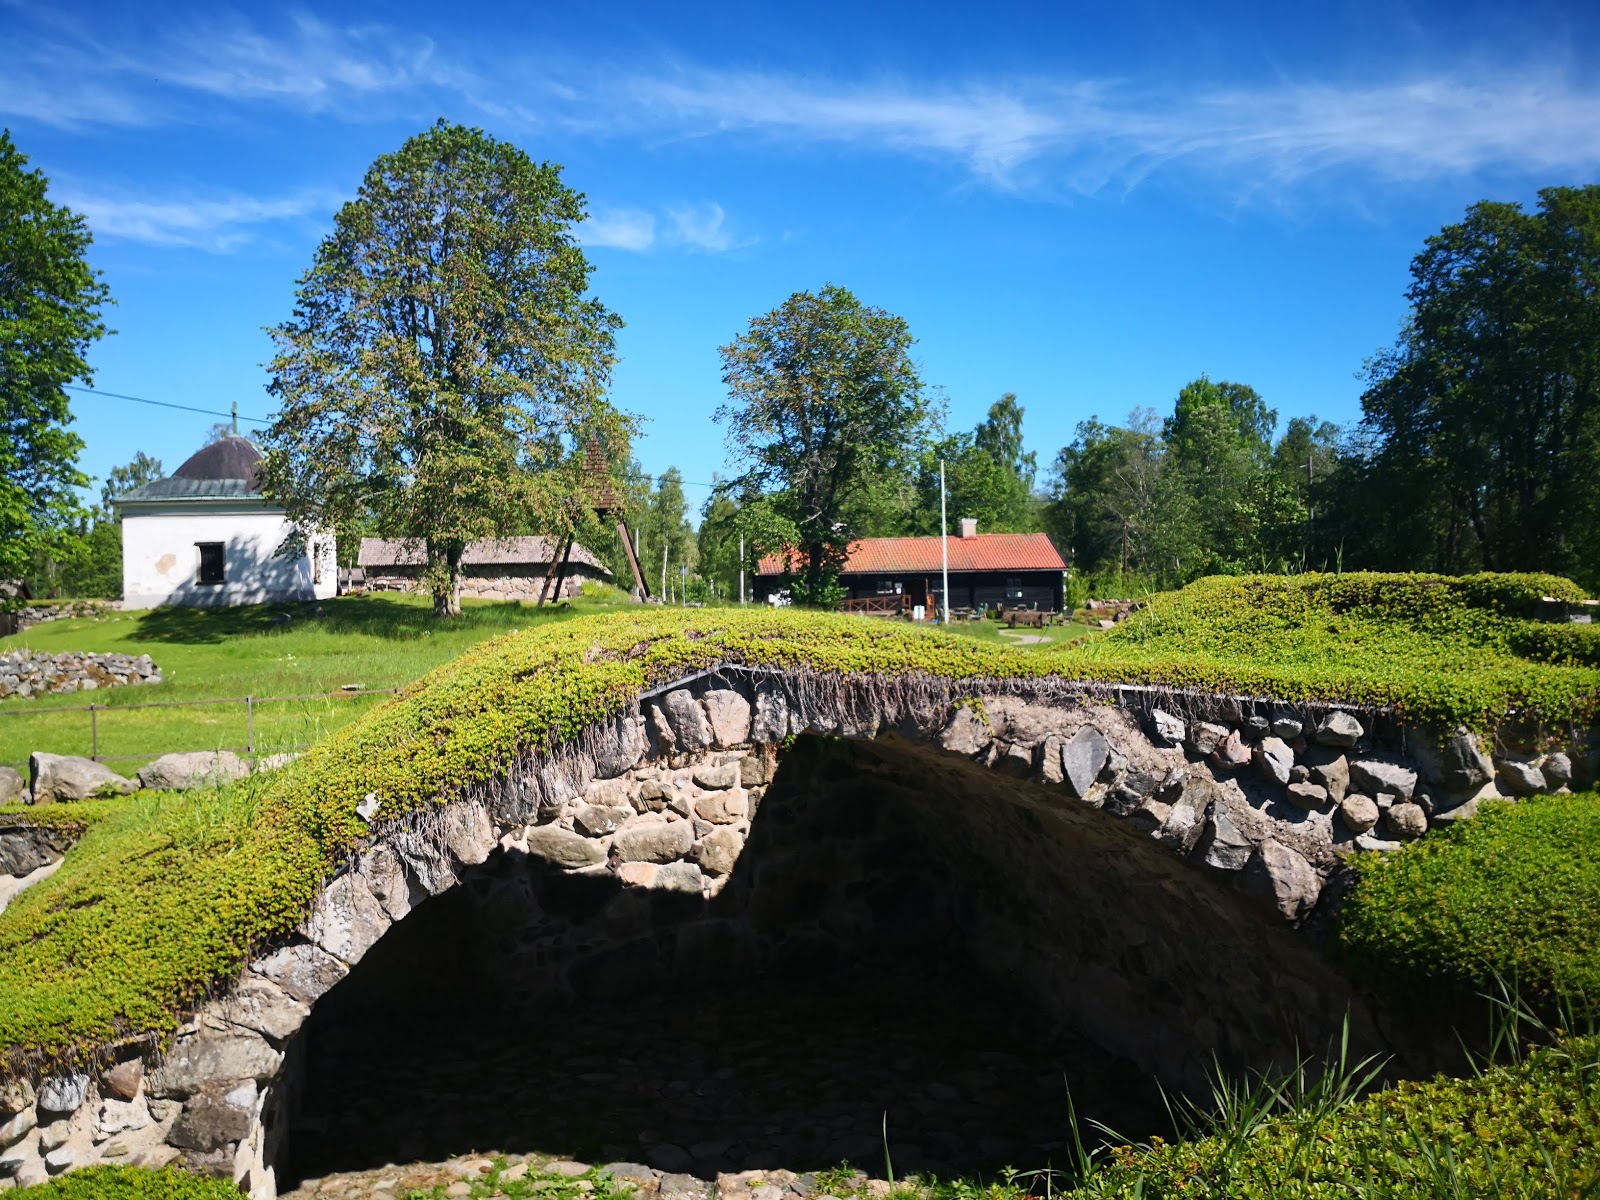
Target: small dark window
{"x": 213, "y": 562}
{"x": 1014, "y": 588}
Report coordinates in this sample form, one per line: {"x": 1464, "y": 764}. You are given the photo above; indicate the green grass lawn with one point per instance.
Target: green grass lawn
{"x": 377, "y": 641}
{"x": 996, "y": 633}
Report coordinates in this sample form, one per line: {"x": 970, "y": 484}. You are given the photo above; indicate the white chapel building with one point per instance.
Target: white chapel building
{"x": 205, "y": 535}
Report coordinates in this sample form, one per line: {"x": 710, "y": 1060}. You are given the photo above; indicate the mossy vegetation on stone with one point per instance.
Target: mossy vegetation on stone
{"x": 159, "y": 903}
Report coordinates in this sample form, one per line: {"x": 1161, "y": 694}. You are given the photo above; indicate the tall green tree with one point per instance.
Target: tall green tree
{"x": 1110, "y": 501}
{"x": 717, "y": 542}
{"x": 119, "y": 481}
{"x": 823, "y": 401}
{"x": 999, "y": 435}
{"x": 50, "y": 302}
{"x": 1489, "y": 403}
{"x": 445, "y": 365}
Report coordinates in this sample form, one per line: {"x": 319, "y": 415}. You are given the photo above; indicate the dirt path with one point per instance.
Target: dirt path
{"x": 1018, "y": 638}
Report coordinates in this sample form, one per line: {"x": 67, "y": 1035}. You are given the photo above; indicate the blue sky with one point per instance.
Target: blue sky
{"x": 1088, "y": 204}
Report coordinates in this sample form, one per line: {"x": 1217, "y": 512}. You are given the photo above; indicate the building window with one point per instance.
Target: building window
{"x": 213, "y": 562}
{"x": 1013, "y": 589}
{"x": 888, "y": 587}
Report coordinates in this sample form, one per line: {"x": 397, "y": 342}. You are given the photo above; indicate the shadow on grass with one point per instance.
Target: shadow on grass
{"x": 375, "y": 616}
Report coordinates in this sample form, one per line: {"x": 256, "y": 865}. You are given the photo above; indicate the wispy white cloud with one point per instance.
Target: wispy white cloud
{"x": 1084, "y": 133}
{"x": 214, "y": 223}
{"x": 619, "y": 229}
{"x": 63, "y": 72}
{"x": 699, "y": 227}
{"x": 1094, "y": 133}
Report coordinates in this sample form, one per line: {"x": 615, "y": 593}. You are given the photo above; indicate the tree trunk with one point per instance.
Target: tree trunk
{"x": 444, "y": 578}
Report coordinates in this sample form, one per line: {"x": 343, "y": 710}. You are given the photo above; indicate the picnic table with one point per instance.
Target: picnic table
{"x": 1028, "y": 616}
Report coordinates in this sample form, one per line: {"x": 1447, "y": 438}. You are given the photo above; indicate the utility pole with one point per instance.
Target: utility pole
{"x": 944, "y": 544}
{"x": 741, "y": 568}
{"x": 663, "y": 567}
{"x": 235, "y": 418}
{"x": 683, "y": 585}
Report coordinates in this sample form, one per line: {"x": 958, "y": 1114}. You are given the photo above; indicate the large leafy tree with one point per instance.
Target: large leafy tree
{"x": 987, "y": 475}
{"x": 50, "y": 301}
{"x": 824, "y": 402}
{"x": 1488, "y": 405}
{"x": 445, "y": 366}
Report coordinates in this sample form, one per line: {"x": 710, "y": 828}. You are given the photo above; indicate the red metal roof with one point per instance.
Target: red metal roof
{"x": 907, "y": 555}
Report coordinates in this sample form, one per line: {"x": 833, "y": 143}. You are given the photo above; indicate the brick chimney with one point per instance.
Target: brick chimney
{"x": 969, "y": 528}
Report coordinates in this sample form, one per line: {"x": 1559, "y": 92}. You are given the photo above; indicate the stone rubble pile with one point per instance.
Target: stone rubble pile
{"x": 26, "y": 673}
{"x": 661, "y": 801}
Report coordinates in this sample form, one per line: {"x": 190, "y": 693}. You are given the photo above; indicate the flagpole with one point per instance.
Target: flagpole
{"x": 944, "y": 544}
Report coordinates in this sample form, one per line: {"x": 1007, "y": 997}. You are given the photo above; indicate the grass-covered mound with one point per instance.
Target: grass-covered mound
{"x": 164, "y": 898}
{"x": 1434, "y": 648}
{"x": 1512, "y": 896}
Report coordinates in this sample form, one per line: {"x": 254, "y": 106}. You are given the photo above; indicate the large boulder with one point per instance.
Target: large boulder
{"x": 1166, "y": 729}
{"x": 194, "y": 768}
{"x": 24, "y": 851}
{"x": 564, "y": 848}
{"x": 1273, "y": 758}
{"x": 967, "y": 733}
{"x": 1283, "y": 878}
{"x": 1520, "y": 778}
{"x": 729, "y": 716}
{"x": 11, "y": 784}
{"x": 209, "y": 1061}
{"x": 1083, "y": 757}
{"x": 1374, "y": 778}
{"x": 1333, "y": 774}
{"x": 1360, "y": 813}
{"x": 1457, "y": 762}
{"x": 660, "y": 842}
{"x": 1339, "y": 729}
{"x": 53, "y": 777}
{"x": 687, "y": 721}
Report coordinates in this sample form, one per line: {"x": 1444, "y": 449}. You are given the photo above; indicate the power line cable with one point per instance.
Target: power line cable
{"x": 211, "y": 412}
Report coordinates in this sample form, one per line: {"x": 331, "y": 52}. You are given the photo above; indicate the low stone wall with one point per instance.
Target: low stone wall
{"x": 35, "y": 673}
{"x": 1133, "y": 862}
{"x": 38, "y": 614}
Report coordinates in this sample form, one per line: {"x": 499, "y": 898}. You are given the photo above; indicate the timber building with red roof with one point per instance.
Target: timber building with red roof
{"x": 1009, "y": 570}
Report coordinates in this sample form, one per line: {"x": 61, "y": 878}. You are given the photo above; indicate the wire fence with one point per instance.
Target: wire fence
{"x": 251, "y": 705}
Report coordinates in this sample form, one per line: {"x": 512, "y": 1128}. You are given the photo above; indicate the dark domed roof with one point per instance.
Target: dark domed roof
{"x": 231, "y": 458}
{"x": 223, "y": 471}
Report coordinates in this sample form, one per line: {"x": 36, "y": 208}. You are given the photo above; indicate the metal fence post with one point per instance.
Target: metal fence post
{"x": 250, "y": 726}
{"x": 94, "y": 733}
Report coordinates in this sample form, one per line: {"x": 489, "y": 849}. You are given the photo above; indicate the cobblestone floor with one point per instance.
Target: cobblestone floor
{"x": 753, "y": 1078}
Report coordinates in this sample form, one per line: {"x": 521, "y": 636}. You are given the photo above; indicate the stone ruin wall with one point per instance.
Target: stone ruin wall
{"x": 25, "y": 673}
{"x": 1164, "y": 933}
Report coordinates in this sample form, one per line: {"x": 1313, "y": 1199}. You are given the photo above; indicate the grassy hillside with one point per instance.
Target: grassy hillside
{"x": 377, "y": 641}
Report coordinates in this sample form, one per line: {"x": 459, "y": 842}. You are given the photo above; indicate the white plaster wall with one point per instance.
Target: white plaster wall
{"x": 161, "y": 558}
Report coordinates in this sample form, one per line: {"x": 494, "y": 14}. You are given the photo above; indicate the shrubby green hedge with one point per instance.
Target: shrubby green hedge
{"x": 164, "y": 898}
{"x": 1517, "y": 1132}
{"x": 130, "y": 1183}
{"x": 1512, "y": 895}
